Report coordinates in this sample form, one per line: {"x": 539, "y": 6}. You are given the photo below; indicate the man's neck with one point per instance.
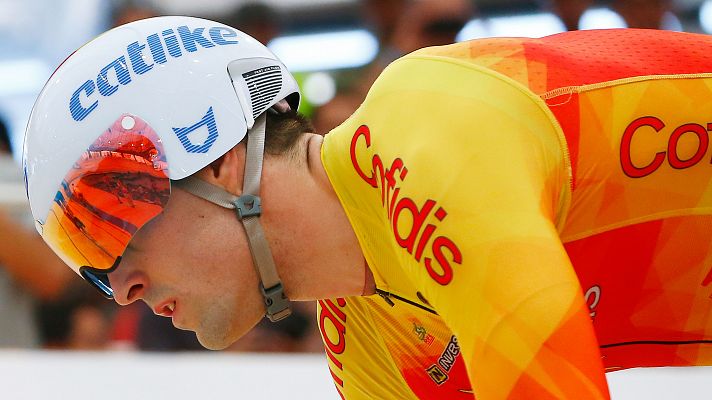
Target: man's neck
{"x": 314, "y": 245}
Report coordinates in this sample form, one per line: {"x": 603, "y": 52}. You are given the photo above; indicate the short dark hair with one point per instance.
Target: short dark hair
{"x": 283, "y": 131}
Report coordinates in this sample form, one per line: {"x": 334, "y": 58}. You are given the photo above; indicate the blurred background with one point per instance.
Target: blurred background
{"x": 336, "y": 48}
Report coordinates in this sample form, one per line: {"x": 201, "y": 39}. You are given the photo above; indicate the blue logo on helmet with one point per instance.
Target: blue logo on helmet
{"x": 84, "y": 100}
{"x": 209, "y": 121}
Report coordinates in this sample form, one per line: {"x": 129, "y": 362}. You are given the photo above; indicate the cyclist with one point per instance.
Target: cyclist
{"x": 502, "y": 218}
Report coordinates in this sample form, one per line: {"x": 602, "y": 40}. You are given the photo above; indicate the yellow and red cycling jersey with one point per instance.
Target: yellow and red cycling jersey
{"x": 534, "y": 211}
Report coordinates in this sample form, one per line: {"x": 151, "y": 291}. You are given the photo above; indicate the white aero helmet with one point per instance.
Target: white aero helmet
{"x": 142, "y": 105}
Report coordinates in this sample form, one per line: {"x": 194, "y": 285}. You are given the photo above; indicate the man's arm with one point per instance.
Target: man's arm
{"x": 520, "y": 318}
{"x": 29, "y": 261}
{"x": 494, "y": 267}
{"x": 514, "y": 300}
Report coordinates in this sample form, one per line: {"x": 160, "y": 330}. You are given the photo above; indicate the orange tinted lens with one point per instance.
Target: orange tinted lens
{"x": 117, "y": 185}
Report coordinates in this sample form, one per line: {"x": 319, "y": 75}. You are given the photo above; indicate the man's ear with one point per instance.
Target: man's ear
{"x": 227, "y": 171}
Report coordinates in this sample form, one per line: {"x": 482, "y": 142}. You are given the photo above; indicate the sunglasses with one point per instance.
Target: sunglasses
{"x": 115, "y": 187}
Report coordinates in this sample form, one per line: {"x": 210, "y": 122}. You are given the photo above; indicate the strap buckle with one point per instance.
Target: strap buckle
{"x": 276, "y": 302}
{"x": 247, "y": 205}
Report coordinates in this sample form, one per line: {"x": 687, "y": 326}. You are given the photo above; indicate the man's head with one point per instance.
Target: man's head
{"x": 126, "y": 115}
{"x": 192, "y": 262}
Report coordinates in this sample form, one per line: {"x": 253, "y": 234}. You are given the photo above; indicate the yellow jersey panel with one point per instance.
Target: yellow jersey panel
{"x": 541, "y": 207}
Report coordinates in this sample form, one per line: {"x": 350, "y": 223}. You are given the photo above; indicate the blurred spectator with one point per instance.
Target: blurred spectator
{"x": 402, "y": 28}
{"x": 427, "y": 23}
{"x": 422, "y": 23}
{"x": 29, "y": 270}
{"x": 78, "y": 320}
{"x": 28, "y": 260}
{"x": 645, "y": 14}
{"x": 380, "y": 17}
{"x": 127, "y": 11}
{"x": 259, "y": 20}
{"x": 89, "y": 329}
{"x": 5, "y": 143}
{"x": 570, "y": 11}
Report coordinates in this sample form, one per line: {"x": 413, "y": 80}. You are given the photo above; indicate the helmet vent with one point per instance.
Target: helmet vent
{"x": 264, "y": 84}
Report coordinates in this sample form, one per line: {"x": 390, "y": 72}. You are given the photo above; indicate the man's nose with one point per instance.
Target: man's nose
{"x": 129, "y": 286}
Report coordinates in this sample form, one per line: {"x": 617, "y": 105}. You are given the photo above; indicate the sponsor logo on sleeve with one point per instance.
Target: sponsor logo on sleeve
{"x": 449, "y": 356}
{"x": 437, "y": 375}
{"x": 439, "y": 372}
{"x": 422, "y": 333}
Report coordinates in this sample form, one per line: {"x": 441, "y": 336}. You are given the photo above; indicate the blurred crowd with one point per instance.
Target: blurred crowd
{"x": 42, "y": 303}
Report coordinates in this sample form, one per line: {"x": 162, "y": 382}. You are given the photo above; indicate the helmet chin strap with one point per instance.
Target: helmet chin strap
{"x": 248, "y": 210}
